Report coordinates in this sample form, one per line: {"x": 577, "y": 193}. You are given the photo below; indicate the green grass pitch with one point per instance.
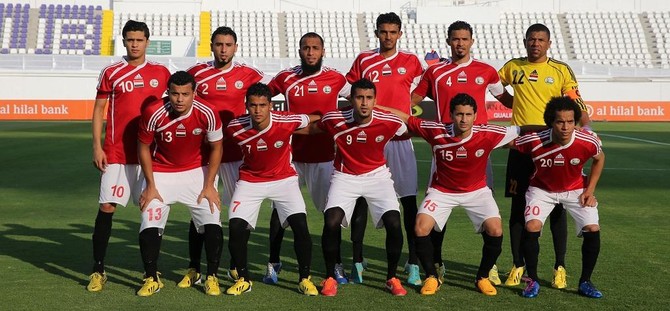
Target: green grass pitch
{"x": 48, "y": 203}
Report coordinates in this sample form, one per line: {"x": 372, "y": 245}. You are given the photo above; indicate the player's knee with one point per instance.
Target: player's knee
{"x": 333, "y": 218}
{"x": 107, "y": 207}
{"x": 391, "y": 219}
{"x": 591, "y": 228}
{"x": 534, "y": 225}
{"x": 237, "y": 225}
{"x": 424, "y": 225}
{"x": 493, "y": 227}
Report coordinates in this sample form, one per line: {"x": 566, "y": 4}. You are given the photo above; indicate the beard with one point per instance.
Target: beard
{"x": 310, "y": 68}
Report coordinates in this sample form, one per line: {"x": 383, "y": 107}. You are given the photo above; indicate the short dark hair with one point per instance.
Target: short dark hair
{"x": 181, "y": 78}
{"x": 311, "y": 35}
{"x": 363, "y": 84}
{"x": 259, "y": 89}
{"x": 132, "y": 25}
{"x": 464, "y": 100}
{"x": 389, "y": 18}
{"x": 537, "y": 28}
{"x": 459, "y": 25}
{"x": 560, "y": 103}
{"x": 224, "y": 30}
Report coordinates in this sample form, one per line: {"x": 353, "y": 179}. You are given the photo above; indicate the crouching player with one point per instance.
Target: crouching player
{"x": 180, "y": 151}
{"x": 460, "y": 151}
{"x": 559, "y": 154}
{"x": 267, "y": 173}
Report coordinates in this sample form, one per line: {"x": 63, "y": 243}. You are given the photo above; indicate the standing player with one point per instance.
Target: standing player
{"x": 311, "y": 89}
{"x": 535, "y": 79}
{"x": 128, "y": 86}
{"x": 267, "y": 173}
{"x": 559, "y": 155}
{"x": 361, "y": 133}
{"x": 441, "y": 82}
{"x": 223, "y": 83}
{"x": 180, "y": 151}
{"x": 393, "y": 72}
{"x": 460, "y": 151}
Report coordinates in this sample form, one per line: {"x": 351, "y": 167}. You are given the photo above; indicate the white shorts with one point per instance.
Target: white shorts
{"x": 119, "y": 182}
{"x": 229, "y": 172}
{"x": 540, "y": 203}
{"x": 376, "y": 187}
{"x": 285, "y": 195}
{"x": 183, "y": 187}
{"x": 317, "y": 178}
{"x": 478, "y": 204}
{"x": 401, "y": 160}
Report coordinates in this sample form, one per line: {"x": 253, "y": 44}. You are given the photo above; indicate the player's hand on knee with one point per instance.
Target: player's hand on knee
{"x": 149, "y": 194}
{"x": 587, "y": 199}
{"x": 212, "y": 196}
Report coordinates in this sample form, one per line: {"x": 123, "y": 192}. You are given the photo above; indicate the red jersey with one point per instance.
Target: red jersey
{"x": 129, "y": 89}
{"x": 393, "y": 76}
{"x": 267, "y": 153}
{"x": 460, "y": 163}
{"x": 310, "y": 94}
{"x": 559, "y": 168}
{"x": 178, "y": 143}
{"x": 360, "y": 147}
{"x": 443, "y": 80}
{"x": 226, "y": 90}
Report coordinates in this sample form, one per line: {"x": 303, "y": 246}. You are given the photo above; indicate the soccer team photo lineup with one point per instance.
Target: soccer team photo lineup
{"x": 162, "y": 137}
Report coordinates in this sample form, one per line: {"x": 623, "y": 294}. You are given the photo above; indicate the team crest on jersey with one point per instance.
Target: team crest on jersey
{"x": 479, "y": 153}
{"x": 386, "y": 70}
{"x": 379, "y": 138}
{"x": 138, "y": 81}
{"x": 327, "y": 89}
{"x": 239, "y": 84}
{"x": 362, "y": 137}
{"x": 549, "y": 80}
{"x": 479, "y": 80}
{"x": 261, "y": 145}
{"x": 462, "y": 77}
{"x": 279, "y": 143}
{"x": 312, "y": 87}
{"x": 575, "y": 161}
{"x": 402, "y": 70}
{"x": 153, "y": 83}
{"x": 197, "y": 131}
{"x": 221, "y": 84}
{"x": 461, "y": 153}
{"x": 181, "y": 131}
{"x": 559, "y": 160}
{"x": 533, "y": 76}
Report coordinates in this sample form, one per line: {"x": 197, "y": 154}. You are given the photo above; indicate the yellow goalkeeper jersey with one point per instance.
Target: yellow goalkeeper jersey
{"x": 534, "y": 84}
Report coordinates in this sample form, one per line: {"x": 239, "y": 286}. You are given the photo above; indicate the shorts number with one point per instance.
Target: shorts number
{"x": 155, "y": 213}
{"x": 534, "y": 210}
{"x": 431, "y": 206}
{"x": 235, "y": 205}
{"x": 118, "y": 191}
